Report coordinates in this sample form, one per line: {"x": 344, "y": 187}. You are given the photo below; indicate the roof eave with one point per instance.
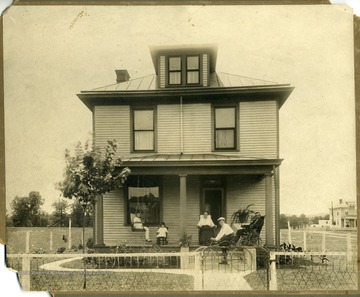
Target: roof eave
{"x": 284, "y": 90}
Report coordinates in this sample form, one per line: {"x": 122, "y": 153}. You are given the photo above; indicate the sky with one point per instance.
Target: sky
{"x": 52, "y": 53}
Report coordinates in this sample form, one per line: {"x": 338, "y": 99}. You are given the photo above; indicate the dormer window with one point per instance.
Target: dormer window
{"x": 192, "y": 70}
{"x": 183, "y": 70}
{"x": 184, "y": 66}
{"x": 175, "y": 71}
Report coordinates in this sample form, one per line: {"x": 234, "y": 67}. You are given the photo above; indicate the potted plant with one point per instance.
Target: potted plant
{"x": 184, "y": 242}
{"x": 241, "y": 215}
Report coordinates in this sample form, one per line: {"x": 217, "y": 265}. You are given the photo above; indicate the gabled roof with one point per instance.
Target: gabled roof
{"x": 217, "y": 80}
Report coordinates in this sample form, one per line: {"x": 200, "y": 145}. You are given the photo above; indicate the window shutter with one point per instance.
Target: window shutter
{"x": 162, "y": 72}
{"x": 205, "y": 70}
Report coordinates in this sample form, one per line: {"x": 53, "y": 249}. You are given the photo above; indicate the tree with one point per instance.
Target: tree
{"x": 8, "y": 220}
{"x": 316, "y": 219}
{"x": 90, "y": 173}
{"x": 304, "y": 221}
{"x": 283, "y": 221}
{"x": 294, "y": 221}
{"x": 26, "y": 210}
{"x": 77, "y": 213}
{"x": 59, "y": 215}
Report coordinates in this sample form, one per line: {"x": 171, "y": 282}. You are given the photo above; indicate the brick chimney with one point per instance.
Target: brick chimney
{"x": 122, "y": 75}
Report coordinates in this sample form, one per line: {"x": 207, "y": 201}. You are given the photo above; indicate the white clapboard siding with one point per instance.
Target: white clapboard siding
{"x": 162, "y": 72}
{"x": 168, "y": 131}
{"x": 171, "y": 206}
{"x": 205, "y": 70}
{"x": 113, "y": 217}
{"x": 197, "y": 128}
{"x": 258, "y": 129}
{"x": 245, "y": 190}
{"x": 112, "y": 122}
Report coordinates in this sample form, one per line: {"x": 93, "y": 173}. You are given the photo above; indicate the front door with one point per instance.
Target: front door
{"x": 213, "y": 202}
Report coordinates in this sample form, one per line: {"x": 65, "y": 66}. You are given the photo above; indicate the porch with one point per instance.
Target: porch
{"x": 187, "y": 185}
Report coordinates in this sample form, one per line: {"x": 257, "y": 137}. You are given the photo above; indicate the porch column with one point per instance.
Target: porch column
{"x": 269, "y": 214}
{"x": 99, "y": 221}
{"x": 183, "y": 219}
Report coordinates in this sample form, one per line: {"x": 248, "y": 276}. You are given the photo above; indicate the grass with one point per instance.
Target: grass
{"x": 40, "y": 238}
{"x": 111, "y": 281}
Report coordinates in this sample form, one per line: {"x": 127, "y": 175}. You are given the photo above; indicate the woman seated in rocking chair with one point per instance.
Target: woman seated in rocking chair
{"x": 137, "y": 224}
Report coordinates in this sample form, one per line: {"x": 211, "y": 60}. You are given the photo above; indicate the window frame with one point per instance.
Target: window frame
{"x": 184, "y": 71}
{"x": 133, "y": 131}
{"x": 235, "y": 129}
{"x": 175, "y": 71}
{"x": 187, "y": 70}
{"x": 159, "y": 180}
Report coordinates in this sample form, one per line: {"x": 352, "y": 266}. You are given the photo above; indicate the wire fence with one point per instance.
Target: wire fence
{"x": 245, "y": 269}
{"x": 110, "y": 272}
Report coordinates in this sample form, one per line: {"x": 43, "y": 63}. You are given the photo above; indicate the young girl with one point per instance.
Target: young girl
{"x": 162, "y": 233}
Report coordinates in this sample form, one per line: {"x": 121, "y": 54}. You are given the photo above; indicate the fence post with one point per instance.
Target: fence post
{"x": 69, "y": 246}
{"x": 51, "y": 241}
{"x": 323, "y": 242}
{"x": 305, "y": 240}
{"x": 273, "y": 278}
{"x": 27, "y": 239}
{"x": 25, "y": 273}
{"x": 198, "y": 282}
{"x": 348, "y": 247}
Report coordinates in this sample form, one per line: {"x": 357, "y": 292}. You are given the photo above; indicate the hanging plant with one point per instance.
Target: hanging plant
{"x": 241, "y": 215}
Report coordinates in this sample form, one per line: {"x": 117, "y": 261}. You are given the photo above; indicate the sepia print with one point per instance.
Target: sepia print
{"x": 180, "y": 148}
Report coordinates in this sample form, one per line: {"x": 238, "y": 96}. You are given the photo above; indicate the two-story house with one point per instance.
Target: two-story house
{"x": 343, "y": 214}
{"x": 194, "y": 140}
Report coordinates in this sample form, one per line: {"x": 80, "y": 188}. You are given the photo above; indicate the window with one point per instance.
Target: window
{"x": 175, "y": 70}
{"x": 144, "y": 130}
{"x": 183, "y": 70}
{"x": 225, "y": 128}
{"x": 143, "y": 196}
{"x": 192, "y": 70}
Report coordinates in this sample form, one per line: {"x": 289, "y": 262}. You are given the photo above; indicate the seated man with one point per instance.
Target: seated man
{"x": 255, "y": 225}
{"x": 225, "y": 236}
{"x": 137, "y": 224}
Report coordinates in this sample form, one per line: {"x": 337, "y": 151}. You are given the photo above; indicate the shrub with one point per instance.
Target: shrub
{"x": 40, "y": 251}
{"x": 61, "y": 250}
{"x": 90, "y": 243}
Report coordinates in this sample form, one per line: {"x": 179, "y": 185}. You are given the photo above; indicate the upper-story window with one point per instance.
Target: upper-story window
{"x": 175, "y": 71}
{"x": 143, "y": 126}
{"x": 184, "y": 70}
{"x": 192, "y": 70}
{"x": 225, "y": 131}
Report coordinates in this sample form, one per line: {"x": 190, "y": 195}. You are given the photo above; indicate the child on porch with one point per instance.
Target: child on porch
{"x": 139, "y": 225}
{"x": 162, "y": 233}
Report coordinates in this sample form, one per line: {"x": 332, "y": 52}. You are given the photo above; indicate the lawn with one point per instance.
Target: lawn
{"x": 110, "y": 281}
{"x": 40, "y": 238}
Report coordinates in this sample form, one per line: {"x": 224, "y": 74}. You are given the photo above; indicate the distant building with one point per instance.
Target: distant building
{"x": 343, "y": 214}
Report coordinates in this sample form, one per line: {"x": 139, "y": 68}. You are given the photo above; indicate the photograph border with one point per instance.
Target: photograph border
{"x": 178, "y": 2}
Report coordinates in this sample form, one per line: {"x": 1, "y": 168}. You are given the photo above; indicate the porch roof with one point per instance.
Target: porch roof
{"x": 201, "y": 164}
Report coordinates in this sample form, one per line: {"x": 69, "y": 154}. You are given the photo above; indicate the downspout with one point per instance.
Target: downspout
{"x": 277, "y": 205}
{"x": 181, "y": 127}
